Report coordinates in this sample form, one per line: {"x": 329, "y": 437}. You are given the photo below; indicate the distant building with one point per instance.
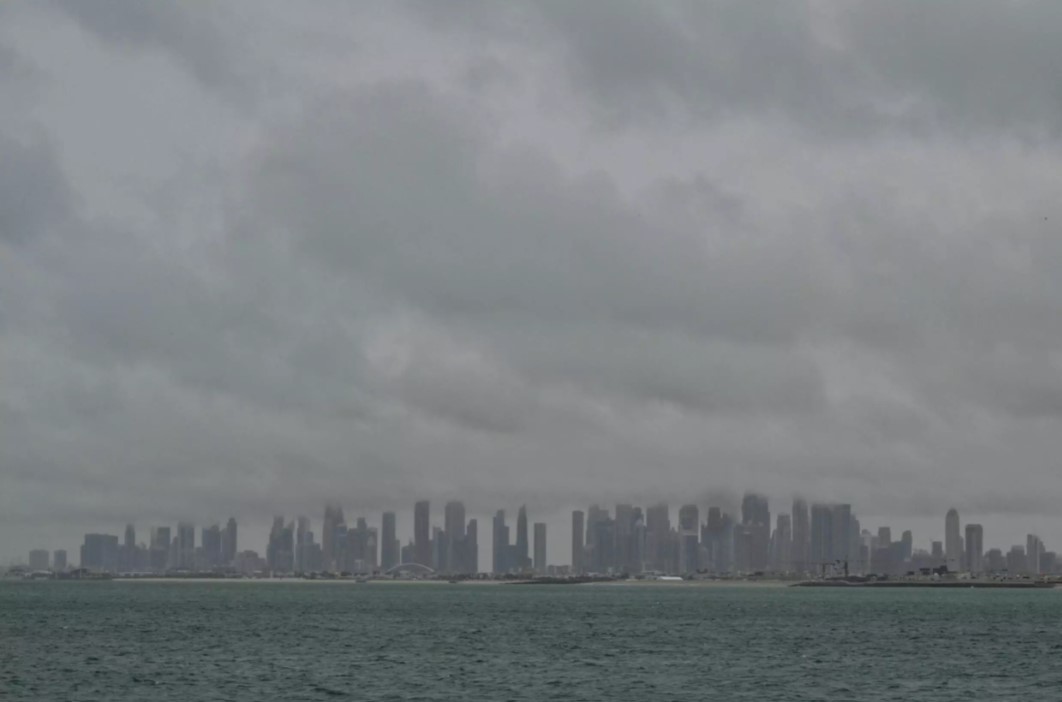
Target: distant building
{"x": 212, "y": 551}
{"x": 229, "y": 544}
{"x": 994, "y": 561}
{"x": 159, "y": 550}
{"x": 334, "y": 523}
{"x": 782, "y": 544}
{"x": 753, "y": 555}
{"x": 1034, "y": 548}
{"x": 472, "y": 547}
{"x": 100, "y": 553}
{"x": 1016, "y": 561}
{"x": 689, "y": 538}
{"x": 454, "y": 556}
{"x": 389, "y": 545}
{"x": 422, "y": 533}
{"x": 801, "y": 536}
{"x": 59, "y": 560}
{"x": 500, "y": 544}
{"x": 578, "y": 525}
{"x": 975, "y": 547}
{"x": 540, "y": 548}
{"x": 523, "y": 558}
{"x": 952, "y": 541}
{"x": 38, "y": 559}
{"x": 185, "y": 545}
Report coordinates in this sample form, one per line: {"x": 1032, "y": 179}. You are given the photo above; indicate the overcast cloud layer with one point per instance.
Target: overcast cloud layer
{"x": 256, "y": 255}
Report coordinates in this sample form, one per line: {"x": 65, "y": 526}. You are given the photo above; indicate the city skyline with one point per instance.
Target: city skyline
{"x": 659, "y": 538}
{"x": 531, "y": 266}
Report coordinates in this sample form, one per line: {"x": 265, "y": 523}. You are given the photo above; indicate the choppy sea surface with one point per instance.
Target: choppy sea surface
{"x": 111, "y": 641}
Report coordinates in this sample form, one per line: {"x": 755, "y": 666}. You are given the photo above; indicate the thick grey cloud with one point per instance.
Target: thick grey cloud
{"x": 260, "y": 257}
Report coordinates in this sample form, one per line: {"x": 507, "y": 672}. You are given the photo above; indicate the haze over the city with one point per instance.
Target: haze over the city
{"x": 257, "y": 256}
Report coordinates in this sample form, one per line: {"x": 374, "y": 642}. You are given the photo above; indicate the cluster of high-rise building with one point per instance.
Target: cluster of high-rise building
{"x": 817, "y": 539}
{"x": 165, "y": 551}
{"x": 810, "y": 540}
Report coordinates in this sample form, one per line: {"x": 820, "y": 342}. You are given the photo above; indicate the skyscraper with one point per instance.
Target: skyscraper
{"x": 756, "y": 533}
{"x": 782, "y": 544}
{"x": 657, "y": 537}
{"x": 689, "y": 546}
{"x": 185, "y": 545}
{"x": 578, "y": 524}
{"x": 522, "y": 545}
{"x": 540, "y": 548}
{"x": 389, "y": 548}
{"x": 422, "y": 533}
{"x": 333, "y": 521}
{"x": 952, "y": 540}
{"x": 500, "y": 544}
{"x": 303, "y": 544}
{"x": 280, "y": 552}
{"x": 456, "y": 548}
{"x": 100, "y": 552}
{"x": 228, "y": 543}
{"x": 820, "y": 553}
{"x": 801, "y": 536}
{"x": 975, "y": 548}
{"x": 211, "y": 539}
{"x": 159, "y": 559}
{"x": 1034, "y": 548}
{"x": 59, "y": 560}
{"x": 472, "y": 547}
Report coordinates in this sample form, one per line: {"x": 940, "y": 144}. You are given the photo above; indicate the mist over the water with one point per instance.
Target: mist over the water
{"x": 260, "y": 255}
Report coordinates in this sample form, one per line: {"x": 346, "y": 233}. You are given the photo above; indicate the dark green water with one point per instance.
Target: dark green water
{"x": 266, "y": 641}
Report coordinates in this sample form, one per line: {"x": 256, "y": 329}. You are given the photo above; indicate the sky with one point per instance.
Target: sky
{"x": 258, "y": 255}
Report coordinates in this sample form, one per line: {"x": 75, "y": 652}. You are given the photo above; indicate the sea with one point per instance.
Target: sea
{"x": 260, "y": 641}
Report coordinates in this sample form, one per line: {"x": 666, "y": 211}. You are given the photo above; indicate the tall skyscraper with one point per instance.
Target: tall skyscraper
{"x": 782, "y": 544}
{"x": 820, "y": 554}
{"x": 540, "y": 548}
{"x": 689, "y": 530}
{"x": 500, "y": 544}
{"x": 422, "y": 533}
{"x": 333, "y": 522}
{"x": 59, "y": 560}
{"x": 842, "y": 535}
{"x": 456, "y": 549}
{"x": 185, "y": 545}
{"x": 975, "y": 548}
{"x": 472, "y": 547}
{"x": 756, "y": 533}
{"x": 228, "y": 543}
{"x": 522, "y": 545}
{"x": 389, "y": 551}
{"x": 801, "y": 536}
{"x": 657, "y": 537}
{"x": 578, "y": 524}
{"x": 159, "y": 559}
{"x": 952, "y": 540}
{"x": 280, "y": 552}
{"x": 907, "y": 546}
{"x": 99, "y": 552}
{"x": 1034, "y": 548}
{"x": 211, "y": 540}
{"x": 303, "y": 544}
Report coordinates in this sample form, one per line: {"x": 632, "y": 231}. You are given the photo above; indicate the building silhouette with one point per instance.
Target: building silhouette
{"x": 952, "y": 541}
{"x": 540, "y": 548}
{"x": 422, "y": 533}
{"x": 975, "y": 547}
